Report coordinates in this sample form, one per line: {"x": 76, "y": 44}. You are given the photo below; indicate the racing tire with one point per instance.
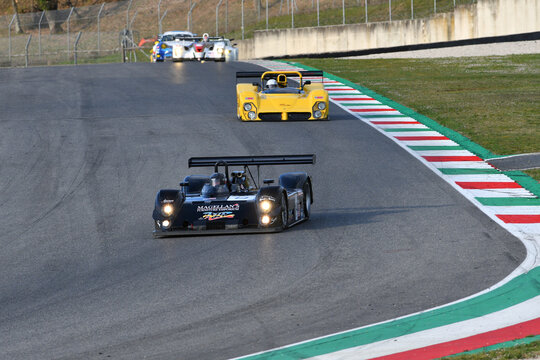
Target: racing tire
{"x": 283, "y": 215}
{"x": 308, "y": 199}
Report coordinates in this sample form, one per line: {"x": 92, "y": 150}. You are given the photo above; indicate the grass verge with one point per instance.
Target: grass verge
{"x": 492, "y": 100}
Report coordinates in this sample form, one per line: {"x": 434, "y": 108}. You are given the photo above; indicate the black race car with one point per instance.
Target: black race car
{"x": 234, "y": 202}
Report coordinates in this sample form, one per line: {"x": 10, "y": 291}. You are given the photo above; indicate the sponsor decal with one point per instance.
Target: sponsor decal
{"x": 249, "y": 98}
{"x": 319, "y": 97}
{"x": 241, "y": 197}
{"x": 211, "y": 216}
{"x": 167, "y": 201}
{"x": 218, "y": 208}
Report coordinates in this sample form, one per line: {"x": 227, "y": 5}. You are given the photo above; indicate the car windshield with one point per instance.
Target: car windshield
{"x": 167, "y": 38}
{"x": 286, "y": 90}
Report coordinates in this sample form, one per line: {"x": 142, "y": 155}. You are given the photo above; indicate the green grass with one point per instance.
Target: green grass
{"x": 492, "y": 100}
{"x": 523, "y": 351}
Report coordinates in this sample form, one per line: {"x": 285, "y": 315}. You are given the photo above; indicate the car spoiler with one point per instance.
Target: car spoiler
{"x": 252, "y": 160}
{"x": 254, "y": 74}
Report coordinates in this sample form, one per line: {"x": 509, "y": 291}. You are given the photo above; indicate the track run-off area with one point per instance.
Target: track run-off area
{"x": 83, "y": 151}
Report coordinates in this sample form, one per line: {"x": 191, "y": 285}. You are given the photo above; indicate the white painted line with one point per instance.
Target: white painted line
{"x": 515, "y": 193}
{"x": 514, "y": 210}
{"x": 402, "y": 126}
{"x": 420, "y": 134}
{"x": 460, "y": 165}
{"x": 428, "y": 143}
{"x": 481, "y": 178}
{"x": 444, "y": 152}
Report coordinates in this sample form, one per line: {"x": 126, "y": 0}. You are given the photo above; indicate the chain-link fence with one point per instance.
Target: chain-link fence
{"x": 104, "y": 32}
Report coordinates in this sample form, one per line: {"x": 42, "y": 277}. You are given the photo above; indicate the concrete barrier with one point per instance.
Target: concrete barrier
{"x": 486, "y": 18}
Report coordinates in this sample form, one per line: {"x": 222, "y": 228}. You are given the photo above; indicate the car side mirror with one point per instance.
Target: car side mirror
{"x": 307, "y": 82}
{"x": 184, "y": 183}
{"x": 268, "y": 181}
{"x": 235, "y": 44}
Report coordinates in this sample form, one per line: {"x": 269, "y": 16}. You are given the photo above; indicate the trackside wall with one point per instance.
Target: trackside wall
{"x": 485, "y": 18}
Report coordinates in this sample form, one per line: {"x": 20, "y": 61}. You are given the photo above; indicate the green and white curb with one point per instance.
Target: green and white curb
{"x": 506, "y": 311}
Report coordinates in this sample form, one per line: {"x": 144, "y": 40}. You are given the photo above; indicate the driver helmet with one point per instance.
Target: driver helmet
{"x": 282, "y": 80}
{"x": 218, "y": 179}
{"x": 205, "y": 37}
{"x": 272, "y": 83}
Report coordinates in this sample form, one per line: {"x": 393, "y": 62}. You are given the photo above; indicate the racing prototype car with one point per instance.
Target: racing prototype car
{"x": 274, "y": 99}
{"x": 163, "y": 48}
{"x": 234, "y": 202}
{"x": 206, "y": 48}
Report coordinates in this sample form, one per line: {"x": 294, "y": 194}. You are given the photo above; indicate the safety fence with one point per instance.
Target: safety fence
{"x": 105, "y": 32}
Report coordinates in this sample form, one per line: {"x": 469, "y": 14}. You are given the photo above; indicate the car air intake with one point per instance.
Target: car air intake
{"x": 299, "y": 116}
{"x": 270, "y": 116}
{"x": 215, "y": 225}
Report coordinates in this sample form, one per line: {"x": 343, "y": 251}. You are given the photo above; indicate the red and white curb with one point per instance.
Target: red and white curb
{"x": 497, "y": 195}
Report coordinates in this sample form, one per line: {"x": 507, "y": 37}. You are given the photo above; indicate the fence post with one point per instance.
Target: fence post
{"x": 226, "y": 16}
{"x": 242, "y": 19}
{"x": 98, "y": 29}
{"x": 26, "y": 51}
{"x": 9, "y": 35}
{"x": 161, "y": 20}
{"x": 343, "y": 4}
{"x": 390, "y": 9}
{"x": 127, "y": 14}
{"x": 159, "y": 17}
{"x": 434, "y": 6}
{"x": 39, "y": 33}
{"x": 217, "y": 17}
{"x": 366, "y": 13}
{"x": 189, "y": 15}
{"x": 292, "y": 14}
{"x": 267, "y": 15}
{"x": 68, "y": 21}
{"x": 412, "y": 9}
{"x": 75, "y": 47}
{"x": 318, "y": 13}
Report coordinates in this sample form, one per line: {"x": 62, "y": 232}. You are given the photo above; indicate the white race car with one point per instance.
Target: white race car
{"x": 206, "y": 48}
{"x": 170, "y": 40}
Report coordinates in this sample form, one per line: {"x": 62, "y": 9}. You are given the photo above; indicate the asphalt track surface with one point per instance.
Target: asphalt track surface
{"x": 83, "y": 151}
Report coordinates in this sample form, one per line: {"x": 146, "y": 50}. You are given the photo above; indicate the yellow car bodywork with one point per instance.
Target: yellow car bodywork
{"x": 290, "y": 103}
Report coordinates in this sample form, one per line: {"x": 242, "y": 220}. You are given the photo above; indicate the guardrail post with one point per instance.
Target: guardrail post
{"x": 217, "y": 17}
{"x": 9, "y": 35}
{"x": 39, "y": 33}
{"x": 98, "y": 29}
{"x": 26, "y": 50}
{"x": 75, "y": 47}
{"x": 68, "y": 21}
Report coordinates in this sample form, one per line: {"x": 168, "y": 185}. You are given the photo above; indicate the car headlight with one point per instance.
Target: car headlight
{"x": 220, "y": 51}
{"x": 317, "y": 114}
{"x": 252, "y": 115}
{"x": 165, "y": 224}
{"x": 167, "y": 209}
{"x": 163, "y": 46}
{"x": 228, "y": 51}
{"x": 247, "y": 106}
{"x": 321, "y": 106}
{"x": 265, "y": 205}
{"x": 265, "y": 220}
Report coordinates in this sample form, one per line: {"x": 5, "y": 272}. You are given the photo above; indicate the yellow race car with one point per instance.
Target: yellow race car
{"x": 275, "y": 98}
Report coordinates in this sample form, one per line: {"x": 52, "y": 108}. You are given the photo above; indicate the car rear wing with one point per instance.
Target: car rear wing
{"x": 252, "y": 160}
{"x": 258, "y": 74}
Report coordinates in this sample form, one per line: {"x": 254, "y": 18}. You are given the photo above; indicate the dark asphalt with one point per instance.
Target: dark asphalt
{"x": 517, "y": 162}
{"x": 83, "y": 151}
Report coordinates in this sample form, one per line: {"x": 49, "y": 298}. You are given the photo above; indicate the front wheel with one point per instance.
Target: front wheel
{"x": 307, "y": 200}
{"x": 283, "y": 216}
